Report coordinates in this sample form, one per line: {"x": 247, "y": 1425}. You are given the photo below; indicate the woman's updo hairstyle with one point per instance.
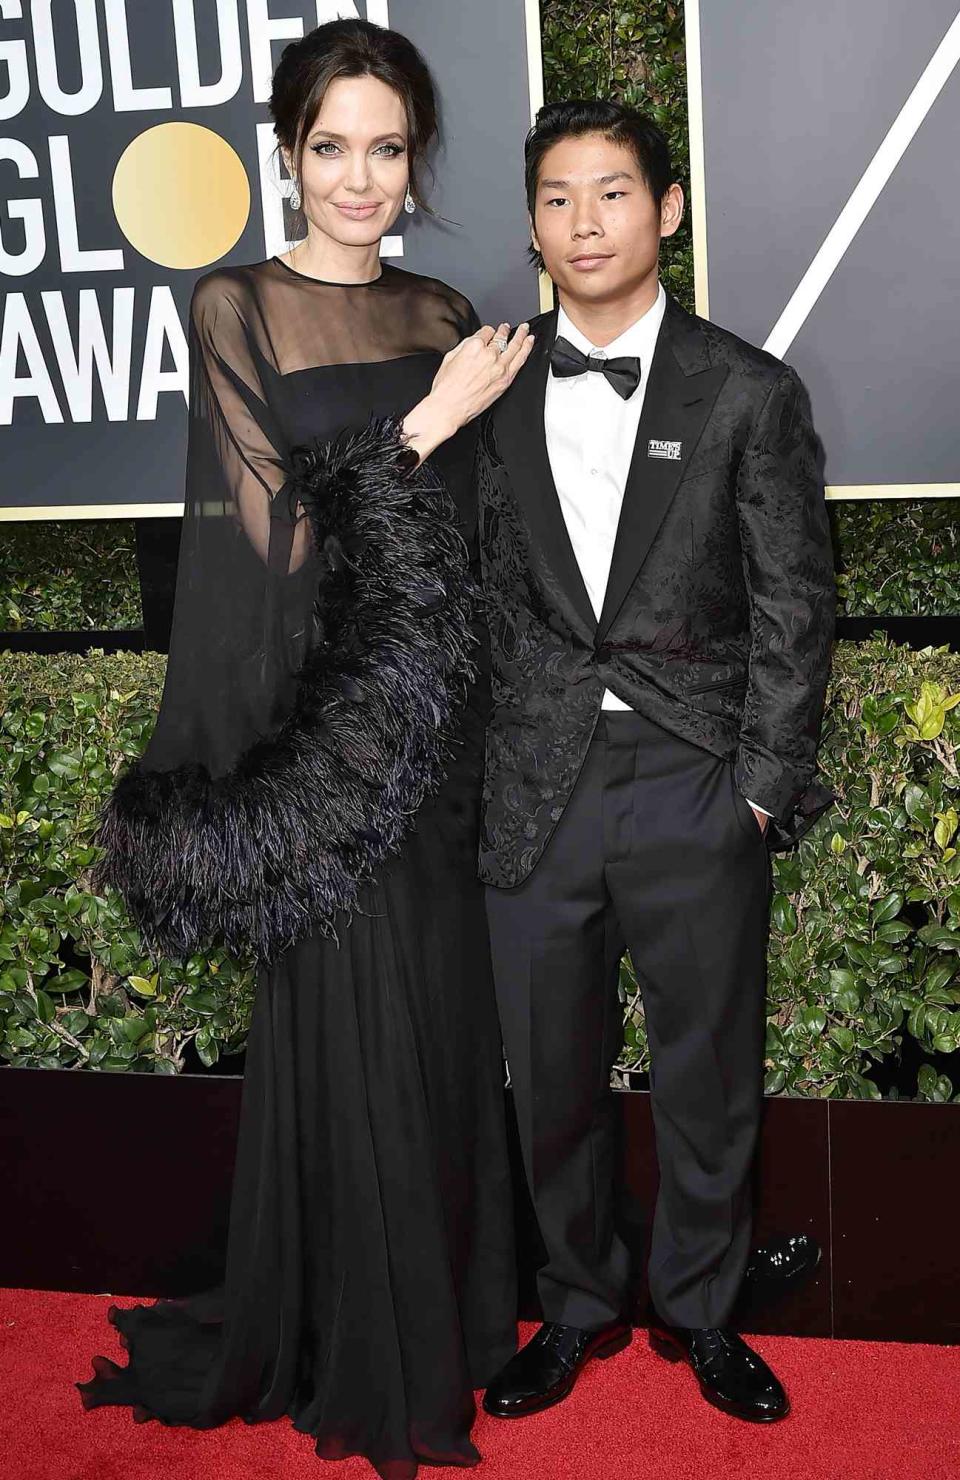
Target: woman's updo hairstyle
{"x": 352, "y": 48}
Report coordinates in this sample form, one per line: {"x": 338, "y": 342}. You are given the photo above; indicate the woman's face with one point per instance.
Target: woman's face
{"x": 354, "y": 170}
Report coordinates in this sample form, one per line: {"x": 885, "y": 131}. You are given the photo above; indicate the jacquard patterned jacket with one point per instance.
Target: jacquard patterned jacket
{"x": 718, "y": 617}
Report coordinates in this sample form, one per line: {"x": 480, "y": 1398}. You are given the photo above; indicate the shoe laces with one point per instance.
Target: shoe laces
{"x": 718, "y": 1344}
{"x": 560, "y": 1339}
{"x": 715, "y": 1342}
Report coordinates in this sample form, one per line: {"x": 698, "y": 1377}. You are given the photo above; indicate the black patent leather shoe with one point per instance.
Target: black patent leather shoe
{"x": 731, "y": 1376}
{"x": 544, "y": 1371}
{"x": 782, "y": 1263}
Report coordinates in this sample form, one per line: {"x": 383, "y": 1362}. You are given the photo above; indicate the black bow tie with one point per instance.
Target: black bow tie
{"x": 623, "y": 374}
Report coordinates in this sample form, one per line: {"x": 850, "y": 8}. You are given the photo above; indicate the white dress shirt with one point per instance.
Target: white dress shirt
{"x": 591, "y": 432}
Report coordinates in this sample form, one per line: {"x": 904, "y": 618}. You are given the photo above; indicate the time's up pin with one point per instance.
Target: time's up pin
{"x": 671, "y": 451}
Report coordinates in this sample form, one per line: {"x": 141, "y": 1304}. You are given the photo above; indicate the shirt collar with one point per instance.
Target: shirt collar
{"x": 639, "y": 339}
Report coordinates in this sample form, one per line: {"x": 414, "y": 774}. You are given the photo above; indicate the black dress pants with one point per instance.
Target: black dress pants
{"x": 656, "y": 851}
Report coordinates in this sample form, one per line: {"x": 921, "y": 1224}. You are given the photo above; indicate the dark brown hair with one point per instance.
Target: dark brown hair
{"x": 353, "y": 48}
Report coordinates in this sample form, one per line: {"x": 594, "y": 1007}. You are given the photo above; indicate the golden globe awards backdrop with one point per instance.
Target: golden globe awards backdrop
{"x": 136, "y": 151}
{"x": 824, "y": 162}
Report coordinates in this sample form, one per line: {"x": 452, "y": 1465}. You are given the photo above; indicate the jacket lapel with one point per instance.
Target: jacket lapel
{"x": 518, "y": 421}
{"x": 681, "y": 393}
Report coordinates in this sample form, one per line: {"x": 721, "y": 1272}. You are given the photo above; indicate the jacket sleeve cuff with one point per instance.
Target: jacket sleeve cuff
{"x": 769, "y": 784}
{"x": 791, "y": 818}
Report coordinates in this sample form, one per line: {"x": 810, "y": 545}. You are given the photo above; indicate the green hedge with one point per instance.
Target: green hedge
{"x": 897, "y": 557}
{"x": 893, "y": 558}
{"x": 68, "y": 576}
{"x": 77, "y": 987}
{"x": 865, "y": 921}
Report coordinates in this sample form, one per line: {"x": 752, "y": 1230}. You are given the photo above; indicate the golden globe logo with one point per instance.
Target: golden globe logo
{"x": 180, "y": 192}
{"x": 181, "y": 195}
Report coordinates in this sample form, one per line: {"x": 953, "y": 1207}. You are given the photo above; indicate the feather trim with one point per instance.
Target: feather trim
{"x": 274, "y": 849}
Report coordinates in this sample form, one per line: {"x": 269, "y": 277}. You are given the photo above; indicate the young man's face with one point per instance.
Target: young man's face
{"x": 595, "y": 222}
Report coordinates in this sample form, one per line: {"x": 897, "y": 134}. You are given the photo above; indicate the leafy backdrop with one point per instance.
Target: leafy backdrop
{"x": 865, "y": 945}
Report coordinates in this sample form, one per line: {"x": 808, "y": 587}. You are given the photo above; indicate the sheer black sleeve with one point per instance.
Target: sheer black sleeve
{"x": 320, "y": 656}
{"x": 245, "y": 577}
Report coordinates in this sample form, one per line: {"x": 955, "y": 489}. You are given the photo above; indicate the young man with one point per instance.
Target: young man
{"x": 658, "y": 566}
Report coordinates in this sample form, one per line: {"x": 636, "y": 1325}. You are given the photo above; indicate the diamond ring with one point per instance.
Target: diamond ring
{"x": 502, "y": 344}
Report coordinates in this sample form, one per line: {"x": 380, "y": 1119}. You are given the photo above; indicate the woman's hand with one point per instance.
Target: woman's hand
{"x": 478, "y": 371}
{"x": 473, "y": 375}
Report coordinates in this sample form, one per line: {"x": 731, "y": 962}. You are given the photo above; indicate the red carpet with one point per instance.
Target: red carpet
{"x": 862, "y": 1411}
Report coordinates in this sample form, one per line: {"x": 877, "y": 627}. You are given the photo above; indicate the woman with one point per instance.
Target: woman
{"x": 310, "y": 794}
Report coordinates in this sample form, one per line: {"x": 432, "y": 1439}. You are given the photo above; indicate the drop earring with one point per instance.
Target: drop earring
{"x": 294, "y": 197}
{"x": 409, "y": 204}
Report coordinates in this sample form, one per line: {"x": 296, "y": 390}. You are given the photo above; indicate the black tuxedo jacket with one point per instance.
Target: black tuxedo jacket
{"x": 719, "y": 609}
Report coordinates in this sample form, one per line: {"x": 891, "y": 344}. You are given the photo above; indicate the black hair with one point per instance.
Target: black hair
{"x": 353, "y": 48}
{"x": 576, "y": 117}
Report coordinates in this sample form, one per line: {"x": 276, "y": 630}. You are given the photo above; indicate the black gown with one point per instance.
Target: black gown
{"x": 370, "y": 1276}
